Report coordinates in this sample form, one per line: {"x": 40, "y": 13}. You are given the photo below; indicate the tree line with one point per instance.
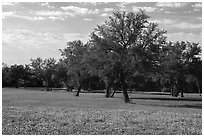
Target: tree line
{"x": 126, "y": 52}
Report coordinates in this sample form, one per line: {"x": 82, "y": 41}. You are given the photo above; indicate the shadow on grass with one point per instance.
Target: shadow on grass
{"x": 175, "y": 103}
{"x": 168, "y": 99}
{"x": 195, "y": 106}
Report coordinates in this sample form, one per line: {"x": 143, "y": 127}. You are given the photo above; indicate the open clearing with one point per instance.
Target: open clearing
{"x": 27, "y": 111}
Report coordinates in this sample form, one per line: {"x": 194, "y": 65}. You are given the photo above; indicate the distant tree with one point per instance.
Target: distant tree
{"x": 74, "y": 57}
{"x": 129, "y": 42}
{"x": 27, "y": 75}
{"x": 37, "y": 69}
{"x": 49, "y": 66}
{"x": 99, "y": 64}
{"x": 177, "y": 60}
{"x": 6, "y": 78}
{"x": 45, "y": 70}
{"x": 63, "y": 75}
{"x": 17, "y": 73}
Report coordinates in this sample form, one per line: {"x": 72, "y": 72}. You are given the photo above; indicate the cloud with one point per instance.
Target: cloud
{"x": 69, "y": 11}
{"x": 92, "y": 3}
{"x": 13, "y": 14}
{"x": 7, "y": 3}
{"x": 56, "y": 18}
{"x": 54, "y": 15}
{"x": 36, "y": 18}
{"x": 19, "y": 45}
{"x": 96, "y": 11}
{"x": 181, "y": 36}
{"x": 147, "y": 9}
{"x": 105, "y": 14}
{"x": 86, "y": 19}
{"x": 46, "y": 4}
{"x": 186, "y": 25}
{"x": 122, "y": 4}
{"x": 23, "y": 38}
{"x": 197, "y": 5}
{"x": 108, "y": 9}
{"x": 169, "y": 12}
{"x": 170, "y": 23}
{"x": 7, "y": 14}
{"x": 170, "y": 4}
{"x": 73, "y": 10}
{"x": 48, "y": 13}
{"x": 163, "y": 21}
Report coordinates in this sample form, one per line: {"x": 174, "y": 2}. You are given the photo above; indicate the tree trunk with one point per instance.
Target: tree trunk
{"x": 107, "y": 95}
{"x": 131, "y": 89}
{"x": 113, "y": 93}
{"x": 182, "y": 93}
{"x": 67, "y": 87}
{"x": 79, "y": 90}
{"x": 17, "y": 83}
{"x": 175, "y": 92}
{"x": 89, "y": 89}
{"x": 48, "y": 88}
{"x": 126, "y": 97}
{"x": 124, "y": 88}
{"x": 198, "y": 87}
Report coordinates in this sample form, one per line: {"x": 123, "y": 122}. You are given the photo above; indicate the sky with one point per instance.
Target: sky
{"x": 40, "y": 29}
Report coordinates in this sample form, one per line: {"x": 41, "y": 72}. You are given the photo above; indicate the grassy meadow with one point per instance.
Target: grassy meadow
{"x": 32, "y": 111}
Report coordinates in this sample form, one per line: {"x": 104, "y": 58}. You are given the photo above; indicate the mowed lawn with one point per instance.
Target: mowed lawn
{"x": 27, "y": 111}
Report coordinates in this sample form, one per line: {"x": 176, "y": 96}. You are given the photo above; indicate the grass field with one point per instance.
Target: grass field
{"x": 27, "y": 111}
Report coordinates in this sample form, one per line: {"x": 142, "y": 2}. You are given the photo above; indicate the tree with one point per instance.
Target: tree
{"x": 128, "y": 40}
{"x": 6, "y": 78}
{"x": 63, "y": 75}
{"x": 17, "y": 73}
{"x": 99, "y": 64}
{"x": 74, "y": 57}
{"x": 45, "y": 70}
{"x": 177, "y": 61}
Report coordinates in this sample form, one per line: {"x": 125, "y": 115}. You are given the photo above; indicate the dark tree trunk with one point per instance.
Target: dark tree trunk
{"x": 79, "y": 90}
{"x": 107, "y": 84}
{"x": 107, "y": 95}
{"x": 126, "y": 97}
{"x": 67, "y": 87}
{"x": 131, "y": 89}
{"x": 182, "y": 85}
{"x": 182, "y": 88}
{"x": 182, "y": 93}
{"x": 113, "y": 93}
{"x": 124, "y": 88}
{"x": 89, "y": 89}
{"x": 48, "y": 89}
{"x": 47, "y": 86}
{"x": 198, "y": 87}
{"x": 174, "y": 92}
{"x": 17, "y": 83}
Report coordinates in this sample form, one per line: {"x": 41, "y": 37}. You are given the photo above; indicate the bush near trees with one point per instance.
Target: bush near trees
{"x": 127, "y": 52}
